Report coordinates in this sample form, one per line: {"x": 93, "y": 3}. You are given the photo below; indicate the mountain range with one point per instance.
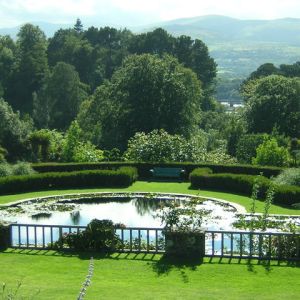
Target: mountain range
{"x": 238, "y": 46}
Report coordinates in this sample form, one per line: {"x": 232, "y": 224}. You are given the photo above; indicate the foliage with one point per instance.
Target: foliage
{"x": 5, "y": 170}
{"x": 3, "y": 154}
{"x": 99, "y": 235}
{"x": 289, "y": 177}
{"x": 143, "y": 168}
{"x": 76, "y": 179}
{"x": 159, "y": 146}
{"x": 247, "y": 145}
{"x": 112, "y": 155}
{"x": 201, "y": 171}
{"x": 32, "y": 67}
{"x": 182, "y": 216}
{"x": 22, "y": 168}
{"x": 169, "y": 99}
{"x": 75, "y": 149}
{"x": 243, "y": 184}
{"x": 269, "y": 153}
{"x": 13, "y": 132}
{"x": 72, "y": 140}
{"x": 57, "y": 103}
{"x": 273, "y": 101}
{"x": 46, "y": 145}
{"x": 87, "y": 152}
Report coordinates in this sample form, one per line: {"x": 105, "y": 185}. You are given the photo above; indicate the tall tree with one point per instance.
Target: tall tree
{"x": 78, "y": 27}
{"x": 32, "y": 66}
{"x": 147, "y": 93}
{"x": 273, "y": 102}
{"x": 13, "y": 132}
{"x": 57, "y": 103}
{"x": 7, "y": 63}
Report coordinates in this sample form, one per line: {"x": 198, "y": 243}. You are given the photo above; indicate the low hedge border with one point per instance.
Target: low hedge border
{"x": 144, "y": 168}
{"x": 121, "y": 177}
{"x": 242, "y": 184}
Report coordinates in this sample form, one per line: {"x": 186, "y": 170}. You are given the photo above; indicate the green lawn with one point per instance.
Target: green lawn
{"x": 168, "y": 187}
{"x": 140, "y": 276}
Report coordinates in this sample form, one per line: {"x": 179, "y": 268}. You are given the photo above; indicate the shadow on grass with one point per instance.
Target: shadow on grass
{"x": 168, "y": 263}
{"x": 162, "y": 264}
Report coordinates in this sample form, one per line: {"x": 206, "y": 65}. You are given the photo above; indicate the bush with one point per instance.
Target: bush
{"x": 5, "y": 170}
{"x": 77, "y": 179}
{"x": 246, "y": 146}
{"x": 242, "y": 184}
{"x": 99, "y": 235}
{"x": 22, "y": 168}
{"x": 289, "y": 177}
{"x": 143, "y": 168}
{"x": 87, "y": 152}
{"x": 201, "y": 171}
{"x": 270, "y": 154}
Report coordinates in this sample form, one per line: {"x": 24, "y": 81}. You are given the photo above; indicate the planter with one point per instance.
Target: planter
{"x": 185, "y": 244}
{"x": 4, "y": 236}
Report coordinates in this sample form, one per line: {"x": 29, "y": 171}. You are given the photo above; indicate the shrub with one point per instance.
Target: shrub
{"x": 159, "y": 146}
{"x": 289, "y": 177}
{"x": 201, "y": 171}
{"x": 99, "y": 235}
{"x": 87, "y": 152}
{"x": 270, "y": 154}
{"x": 246, "y": 146}
{"x": 22, "y": 168}
{"x": 5, "y": 170}
{"x": 243, "y": 184}
{"x": 143, "y": 168}
{"x": 90, "y": 178}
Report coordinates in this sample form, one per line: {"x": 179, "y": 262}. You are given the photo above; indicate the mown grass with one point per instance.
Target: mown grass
{"x": 167, "y": 187}
{"x": 122, "y": 276}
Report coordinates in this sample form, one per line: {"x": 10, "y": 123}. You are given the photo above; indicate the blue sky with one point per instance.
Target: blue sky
{"x": 139, "y": 12}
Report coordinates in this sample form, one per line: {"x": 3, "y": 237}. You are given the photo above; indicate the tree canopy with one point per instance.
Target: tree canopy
{"x": 147, "y": 93}
{"x": 273, "y": 102}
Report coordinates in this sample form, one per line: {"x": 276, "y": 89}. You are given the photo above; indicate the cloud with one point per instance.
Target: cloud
{"x": 66, "y": 11}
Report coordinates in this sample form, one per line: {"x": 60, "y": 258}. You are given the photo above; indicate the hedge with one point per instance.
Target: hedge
{"x": 124, "y": 176}
{"x": 144, "y": 168}
{"x": 242, "y": 184}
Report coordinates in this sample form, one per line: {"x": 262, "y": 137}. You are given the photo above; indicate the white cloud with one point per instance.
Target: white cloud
{"x": 18, "y": 11}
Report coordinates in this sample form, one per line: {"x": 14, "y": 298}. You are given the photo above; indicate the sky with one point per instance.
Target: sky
{"x": 139, "y": 12}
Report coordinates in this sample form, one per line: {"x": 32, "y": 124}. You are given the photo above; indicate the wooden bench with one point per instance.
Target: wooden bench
{"x": 159, "y": 172}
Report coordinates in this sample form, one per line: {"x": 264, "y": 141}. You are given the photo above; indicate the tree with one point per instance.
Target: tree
{"x": 159, "y": 146}
{"x": 274, "y": 102}
{"x": 78, "y": 27}
{"x": 7, "y": 64}
{"x": 147, "y": 93}
{"x": 13, "y": 132}
{"x": 58, "y": 102}
{"x": 32, "y": 66}
{"x": 270, "y": 154}
{"x": 247, "y": 145}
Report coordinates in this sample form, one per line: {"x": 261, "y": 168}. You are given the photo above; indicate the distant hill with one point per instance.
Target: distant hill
{"x": 238, "y": 46}
{"x": 214, "y": 29}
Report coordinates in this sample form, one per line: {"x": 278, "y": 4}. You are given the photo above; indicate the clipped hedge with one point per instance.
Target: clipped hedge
{"x": 242, "y": 184}
{"x": 124, "y": 176}
{"x": 144, "y": 168}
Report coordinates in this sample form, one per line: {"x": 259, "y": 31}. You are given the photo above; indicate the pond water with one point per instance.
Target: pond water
{"x": 132, "y": 210}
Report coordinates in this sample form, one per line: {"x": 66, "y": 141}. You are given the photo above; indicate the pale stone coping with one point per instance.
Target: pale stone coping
{"x": 239, "y": 208}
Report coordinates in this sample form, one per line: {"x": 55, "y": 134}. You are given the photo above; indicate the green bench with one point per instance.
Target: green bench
{"x": 159, "y": 172}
